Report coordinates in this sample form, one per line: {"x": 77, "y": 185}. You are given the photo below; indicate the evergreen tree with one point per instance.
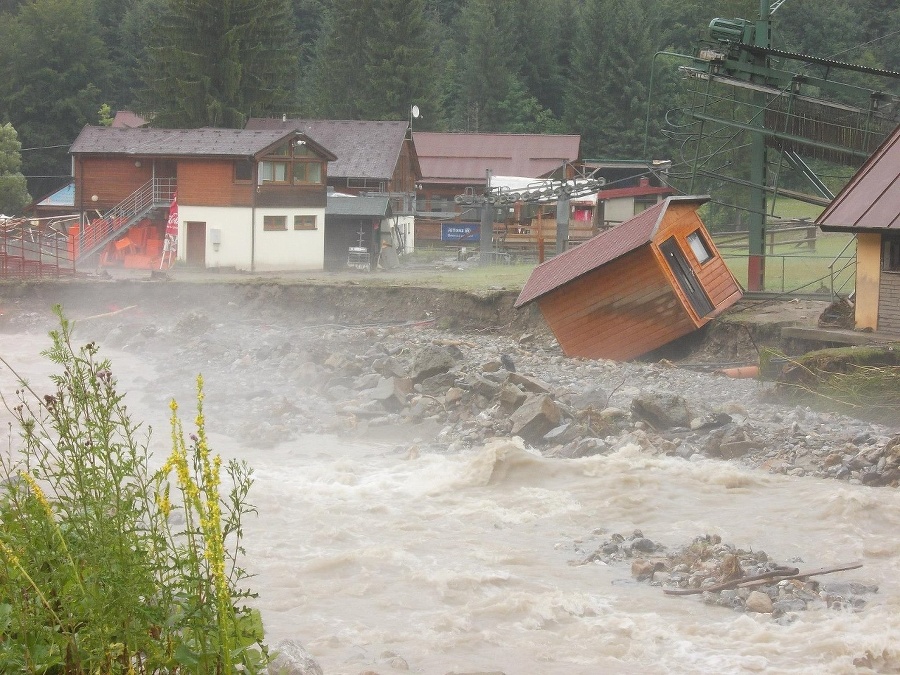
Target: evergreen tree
{"x": 309, "y": 24}
{"x": 487, "y": 66}
{"x": 607, "y": 95}
{"x": 217, "y": 62}
{"x": 13, "y": 188}
{"x": 401, "y": 68}
{"x": 53, "y": 72}
{"x": 342, "y": 58}
{"x": 539, "y": 45}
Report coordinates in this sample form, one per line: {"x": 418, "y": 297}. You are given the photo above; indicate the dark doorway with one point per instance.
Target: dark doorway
{"x": 196, "y": 244}
{"x": 686, "y": 278}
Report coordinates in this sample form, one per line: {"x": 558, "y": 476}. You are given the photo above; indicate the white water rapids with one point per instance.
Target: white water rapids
{"x": 464, "y": 562}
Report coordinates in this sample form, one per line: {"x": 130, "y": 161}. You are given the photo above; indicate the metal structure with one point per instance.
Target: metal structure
{"x": 560, "y": 191}
{"x": 95, "y": 234}
{"x": 754, "y": 114}
{"x": 36, "y": 248}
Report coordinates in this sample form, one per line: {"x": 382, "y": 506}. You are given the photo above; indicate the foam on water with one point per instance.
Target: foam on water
{"x": 472, "y": 561}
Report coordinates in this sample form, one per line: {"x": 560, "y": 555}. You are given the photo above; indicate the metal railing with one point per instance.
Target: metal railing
{"x": 843, "y": 273}
{"x": 35, "y": 250}
{"x": 97, "y": 233}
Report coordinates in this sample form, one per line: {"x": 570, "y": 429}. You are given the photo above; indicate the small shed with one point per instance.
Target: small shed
{"x": 869, "y": 207}
{"x": 636, "y": 287}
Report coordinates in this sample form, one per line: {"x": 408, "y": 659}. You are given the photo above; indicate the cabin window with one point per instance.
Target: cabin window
{"x": 243, "y": 170}
{"x": 301, "y": 150}
{"x": 890, "y": 258}
{"x": 304, "y": 222}
{"x": 307, "y": 172}
{"x": 698, "y": 246}
{"x": 273, "y": 172}
{"x": 282, "y": 150}
{"x": 274, "y": 223}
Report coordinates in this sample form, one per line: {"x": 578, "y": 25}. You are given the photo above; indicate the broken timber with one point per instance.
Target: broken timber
{"x": 779, "y": 574}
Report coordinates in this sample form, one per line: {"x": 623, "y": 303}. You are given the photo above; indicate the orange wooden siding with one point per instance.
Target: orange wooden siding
{"x": 619, "y": 311}
{"x": 720, "y": 286}
{"x": 634, "y": 304}
{"x": 211, "y": 182}
{"x": 111, "y": 179}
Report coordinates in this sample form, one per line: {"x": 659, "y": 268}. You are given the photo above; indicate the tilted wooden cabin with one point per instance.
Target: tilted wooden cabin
{"x": 636, "y": 287}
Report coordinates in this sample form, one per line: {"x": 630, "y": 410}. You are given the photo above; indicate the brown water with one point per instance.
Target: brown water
{"x": 464, "y": 562}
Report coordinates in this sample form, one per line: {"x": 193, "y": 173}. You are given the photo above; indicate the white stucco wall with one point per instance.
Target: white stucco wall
{"x": 247, "y": 247}
{"x": 406, "y": 226}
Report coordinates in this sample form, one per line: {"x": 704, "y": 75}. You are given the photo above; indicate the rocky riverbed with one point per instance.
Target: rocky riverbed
{"x": 275, "y": 371}
{"x": 445, "y": 390}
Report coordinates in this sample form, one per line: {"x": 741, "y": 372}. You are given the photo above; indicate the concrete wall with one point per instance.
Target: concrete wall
{"x": 244, "y": 245}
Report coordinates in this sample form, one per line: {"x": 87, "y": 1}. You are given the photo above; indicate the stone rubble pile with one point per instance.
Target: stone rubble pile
{"x": 707, "y": 562}
{"x": 269, "y": 382}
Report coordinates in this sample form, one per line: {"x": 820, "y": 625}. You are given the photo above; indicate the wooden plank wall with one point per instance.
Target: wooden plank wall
{"x": 211, "y": 183}
{"x": 112, "y": 179}
{"x": 619, "y": 311}
{"x": 889, "y": 303}
{"x": 679, "y": 221}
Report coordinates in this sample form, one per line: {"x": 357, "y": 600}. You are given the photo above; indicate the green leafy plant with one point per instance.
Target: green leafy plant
{"x": 109, "y": 566}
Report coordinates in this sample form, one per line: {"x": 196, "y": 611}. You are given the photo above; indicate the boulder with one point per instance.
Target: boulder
{"x": 431, "y": 360}
{"x": 759, "y": 602}
{"x": 661, "y": 410}
{"x": 292, "y": 659}
{"x": 535, "y": 417}
{"x": 391, "y": 392}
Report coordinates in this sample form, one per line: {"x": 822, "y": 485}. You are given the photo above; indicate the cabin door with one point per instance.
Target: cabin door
{"x": 196, "y": 244}
{"x": 683, "y": 272}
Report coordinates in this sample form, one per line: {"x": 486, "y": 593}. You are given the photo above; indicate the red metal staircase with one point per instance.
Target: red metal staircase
{"x": 98, "y": 232}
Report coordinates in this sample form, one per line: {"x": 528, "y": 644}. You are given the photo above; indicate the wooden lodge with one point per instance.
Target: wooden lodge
{"x": 635, "y": 287}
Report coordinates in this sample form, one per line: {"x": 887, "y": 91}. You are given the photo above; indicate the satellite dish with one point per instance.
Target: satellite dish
{"x": 415, "y": 112}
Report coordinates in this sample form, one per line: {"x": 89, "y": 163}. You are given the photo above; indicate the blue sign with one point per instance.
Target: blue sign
{"x": 461, "y": 232}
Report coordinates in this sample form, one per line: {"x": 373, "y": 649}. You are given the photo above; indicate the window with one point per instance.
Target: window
{"x": 890, "y": 258}
{"x": 699, "y": 247}
{"x": 282, "y": 150}
{"x": 243, "y": 170}
{"x": 307, "y": 172}
{"x": 304, "y": 222}
{"x": 273, "y": 172}
{"x": 274, "y": 223}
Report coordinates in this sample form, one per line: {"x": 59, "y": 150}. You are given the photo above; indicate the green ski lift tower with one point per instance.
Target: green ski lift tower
{"x": 777, "y": 109}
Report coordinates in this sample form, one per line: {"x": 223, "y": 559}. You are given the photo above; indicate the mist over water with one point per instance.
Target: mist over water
{"x": 471, "y": 562}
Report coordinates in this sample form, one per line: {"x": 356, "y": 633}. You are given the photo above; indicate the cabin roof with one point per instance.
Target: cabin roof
{"x": 206, "y": 142}
{"x": 598, "y": 251}
{"x": 365, "y": 148}
{"x": 871, "y": 199}
{"x": 461, "y": 158}
{"x": 362, "y": 207}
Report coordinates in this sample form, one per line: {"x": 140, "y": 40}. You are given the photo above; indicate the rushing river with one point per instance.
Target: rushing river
{"x": 469, "y": 562}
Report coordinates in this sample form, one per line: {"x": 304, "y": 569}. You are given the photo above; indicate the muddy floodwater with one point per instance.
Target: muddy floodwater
{"x": 380, "y": 558}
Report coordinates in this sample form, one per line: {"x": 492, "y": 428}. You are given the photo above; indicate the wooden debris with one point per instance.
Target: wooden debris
{"x": 776, "y": 575}
{"x": 105, "y": 314}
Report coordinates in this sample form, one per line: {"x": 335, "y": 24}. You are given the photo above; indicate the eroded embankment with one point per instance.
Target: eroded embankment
{"x": 312, "y": 303}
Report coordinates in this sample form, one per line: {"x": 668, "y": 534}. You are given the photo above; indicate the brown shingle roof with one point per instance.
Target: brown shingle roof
{"x": 364, "y": 148}
{"x": 179, "y": 142}
{"x": 871, "y": 199}
{"x": 464, "y": 158}
{"x": 597, "y": 251}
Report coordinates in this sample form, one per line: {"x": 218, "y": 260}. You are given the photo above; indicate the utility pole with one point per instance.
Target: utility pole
{"x": 562, "y": 222}
{"x": 487, "y": 222}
